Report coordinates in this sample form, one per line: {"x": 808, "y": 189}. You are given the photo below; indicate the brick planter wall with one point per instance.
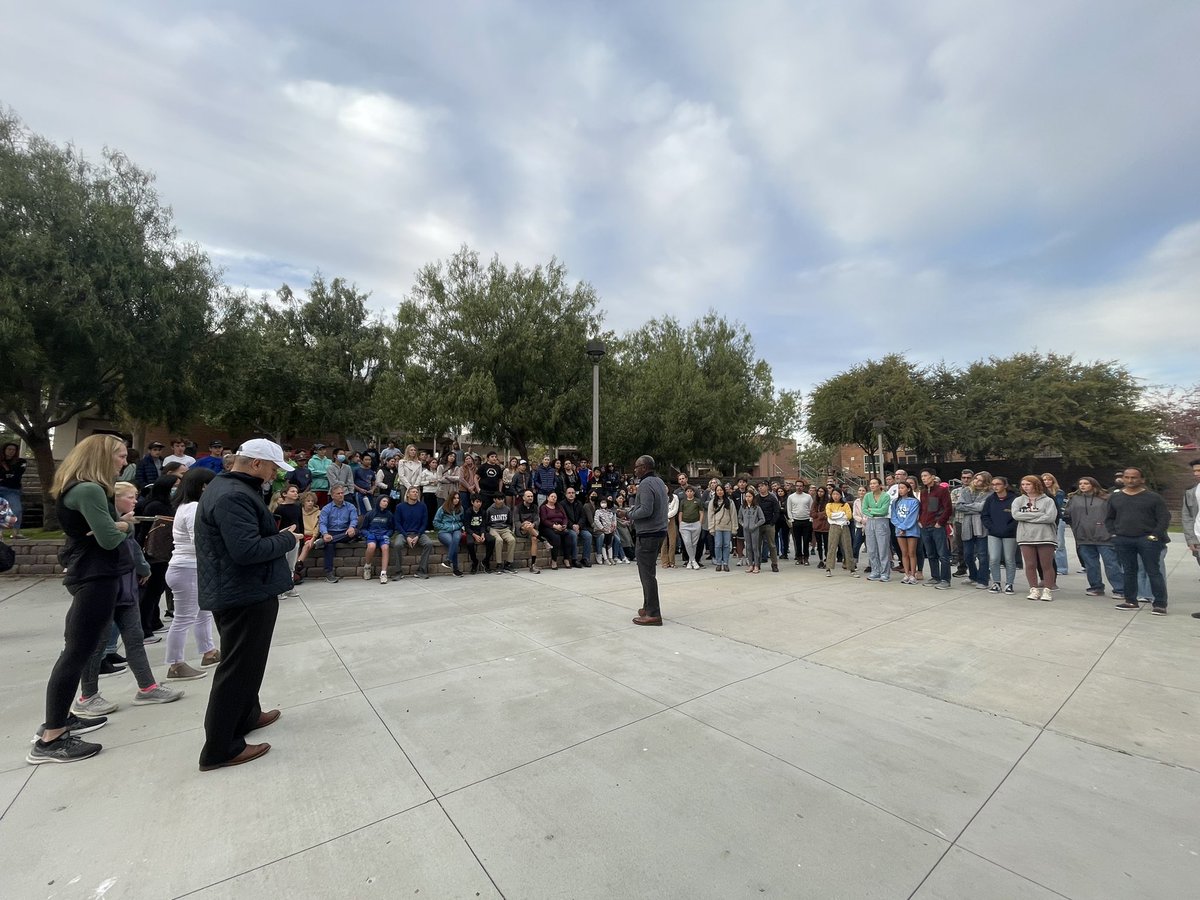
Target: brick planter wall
{"x": 35, "y": 558}
{"x": 41, "y": 558}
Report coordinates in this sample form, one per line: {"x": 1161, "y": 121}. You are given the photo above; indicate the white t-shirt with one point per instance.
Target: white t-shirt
{"x": 186, "y": 460}
{"x": 1196, "y": 524}
{"x": 183, "y": 530}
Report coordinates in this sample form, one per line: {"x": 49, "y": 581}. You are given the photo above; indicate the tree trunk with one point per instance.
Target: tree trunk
{"x": 39, "y": 443}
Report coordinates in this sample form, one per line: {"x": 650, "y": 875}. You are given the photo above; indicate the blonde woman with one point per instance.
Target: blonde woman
{"x": 1056, "y": 493}
{"x": 83, "y": 489}
{"x": 1036, "y": 515}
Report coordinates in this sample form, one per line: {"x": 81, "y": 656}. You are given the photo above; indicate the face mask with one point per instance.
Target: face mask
{"x": 341, "y": 457}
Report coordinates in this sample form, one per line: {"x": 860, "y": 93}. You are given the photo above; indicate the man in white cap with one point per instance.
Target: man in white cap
{"x": 241, "y": 569}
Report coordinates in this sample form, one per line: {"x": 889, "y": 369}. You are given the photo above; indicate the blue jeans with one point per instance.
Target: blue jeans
{"x": 1144, "y": 589}
{"x": 584, "y": 540}
{"x": 722, "y": 541}
{"x": 937, "y": 551}
{"x": 975, "y": 556}
{"x": 1002, "y": 550}
{"x": 1092, "y": 554}
{"x": 450, "y": 540}
{"x": 1060, "y": 552}
{"x": 1131, "y": 551}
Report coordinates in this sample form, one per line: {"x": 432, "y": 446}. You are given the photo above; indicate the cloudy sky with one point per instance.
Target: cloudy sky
{"x": 946, "y": 178}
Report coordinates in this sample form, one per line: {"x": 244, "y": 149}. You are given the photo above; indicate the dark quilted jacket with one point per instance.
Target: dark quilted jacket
{"x": 240, "y": 552}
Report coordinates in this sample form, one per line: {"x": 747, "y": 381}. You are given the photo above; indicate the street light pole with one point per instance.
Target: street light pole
{"x": 595, "y": 349}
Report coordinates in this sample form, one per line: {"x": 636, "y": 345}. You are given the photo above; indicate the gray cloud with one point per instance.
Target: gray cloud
{"x": 952, "y": 179}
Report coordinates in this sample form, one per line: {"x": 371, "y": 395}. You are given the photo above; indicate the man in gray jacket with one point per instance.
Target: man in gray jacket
{"x": 649, "y": 515}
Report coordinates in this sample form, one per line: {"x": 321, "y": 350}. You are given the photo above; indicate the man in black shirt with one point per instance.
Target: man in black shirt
{"x": 1138, "y": 519}
{"x": 491, "y": 478}
{"x": 577, "y": 521}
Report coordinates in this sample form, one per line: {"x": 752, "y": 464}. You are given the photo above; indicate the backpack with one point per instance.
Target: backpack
{"x": 160, "y": 540}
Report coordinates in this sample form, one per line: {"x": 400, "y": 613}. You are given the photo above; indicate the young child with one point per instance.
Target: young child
{"x": 606, "y": 531}
{"x": 128, "y": 618}
{"x": 378, "y": 525}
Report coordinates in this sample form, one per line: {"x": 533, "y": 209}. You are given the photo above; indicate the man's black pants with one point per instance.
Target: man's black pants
{"x": 233, "y": 707}
{"x": 648, "y": 547}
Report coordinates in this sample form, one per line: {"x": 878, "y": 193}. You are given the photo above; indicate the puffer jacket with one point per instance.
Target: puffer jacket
{"x": 241, "y": 555}
{"x": 1085, "y": 514}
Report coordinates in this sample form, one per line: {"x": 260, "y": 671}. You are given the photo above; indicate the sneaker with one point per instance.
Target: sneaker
{"x": 383, "y": 577}
{"x": 181, "y": 671}
{"x": 1008, "y": 589}
{"x": 1034, "y": 594}
{"x": 458, "y": 573}
{"x": 211, "y": 658}
{"x": 995, "y": 588}
{"x": 160, "y": 693}
{"x": 980, "y": 586}
{"x": 107, "y": 668}
{"x": 872, "y": 578}
{"x": 93, "y": 706}
{"x": 446, "y": 565}
{"x": 1127, "y": 605}
{"x": 76, "y": 725}
{"x": 828, "y": 573}
{"x": 1047, "y": 594}
{"x": 366, "y": 573}
{"x": 854, "y": 574}
{"x": 152, "y": 639}
{"x": 1158, "y": 611}
{"x": 116, "y": 659}
{"x": 64, "y": 749}
{"x": 1095, "y": 592}
{"x": 885, "y": 578}
{"x": 941, "y": 585}
{"x": 332, "y": 579}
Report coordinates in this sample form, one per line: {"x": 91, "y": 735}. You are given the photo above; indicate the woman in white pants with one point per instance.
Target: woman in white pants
{"x": 181, "y": 579}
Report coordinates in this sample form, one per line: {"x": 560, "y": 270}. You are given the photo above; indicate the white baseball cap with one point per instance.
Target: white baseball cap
{"x": 261, "y": 448}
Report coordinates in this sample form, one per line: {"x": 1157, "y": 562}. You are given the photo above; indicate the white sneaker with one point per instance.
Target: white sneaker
{"x": 383, "y": 577}
{"x": 1047, "y": 594}
{"x": 366, "y": 573}
{"x": 1034, "y": 594}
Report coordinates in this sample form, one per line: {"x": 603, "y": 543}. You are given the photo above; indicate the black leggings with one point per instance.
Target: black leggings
{"x": 821, "y": 539}
{"x": 87, "y": 622}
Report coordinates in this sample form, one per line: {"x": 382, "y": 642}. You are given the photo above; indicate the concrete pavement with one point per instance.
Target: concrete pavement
{"x": 784, "y": 735}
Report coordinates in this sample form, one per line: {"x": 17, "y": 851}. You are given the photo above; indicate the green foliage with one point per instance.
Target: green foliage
{"x": 1030, "y": 405}
{"x": 844, "y": 408}
{"x": 1019, "y": 408}
{"x": 100, "y": 305}
{"x": 695, "y": 393}
{"x": 500, "y": 351}
{"x": 293, "y": 366}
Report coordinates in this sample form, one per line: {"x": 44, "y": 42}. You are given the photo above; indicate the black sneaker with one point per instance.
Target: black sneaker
{"x": 107, "y": 668}
{"x": 65, "y": 749}
{"x": 116, "y": 659}
{"x": 1158, "y": 611}
{"x": 77, "y": 725}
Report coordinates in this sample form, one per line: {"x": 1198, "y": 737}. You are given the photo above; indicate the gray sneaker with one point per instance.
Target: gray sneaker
{"x": 65, "y": 749}
{"x": 93, "y": 706}
{"x": 332, "y": 579}
{"x": 158, "y": 694}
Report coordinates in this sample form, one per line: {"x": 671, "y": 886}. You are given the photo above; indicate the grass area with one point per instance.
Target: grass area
{"x": 41, "y": 534}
